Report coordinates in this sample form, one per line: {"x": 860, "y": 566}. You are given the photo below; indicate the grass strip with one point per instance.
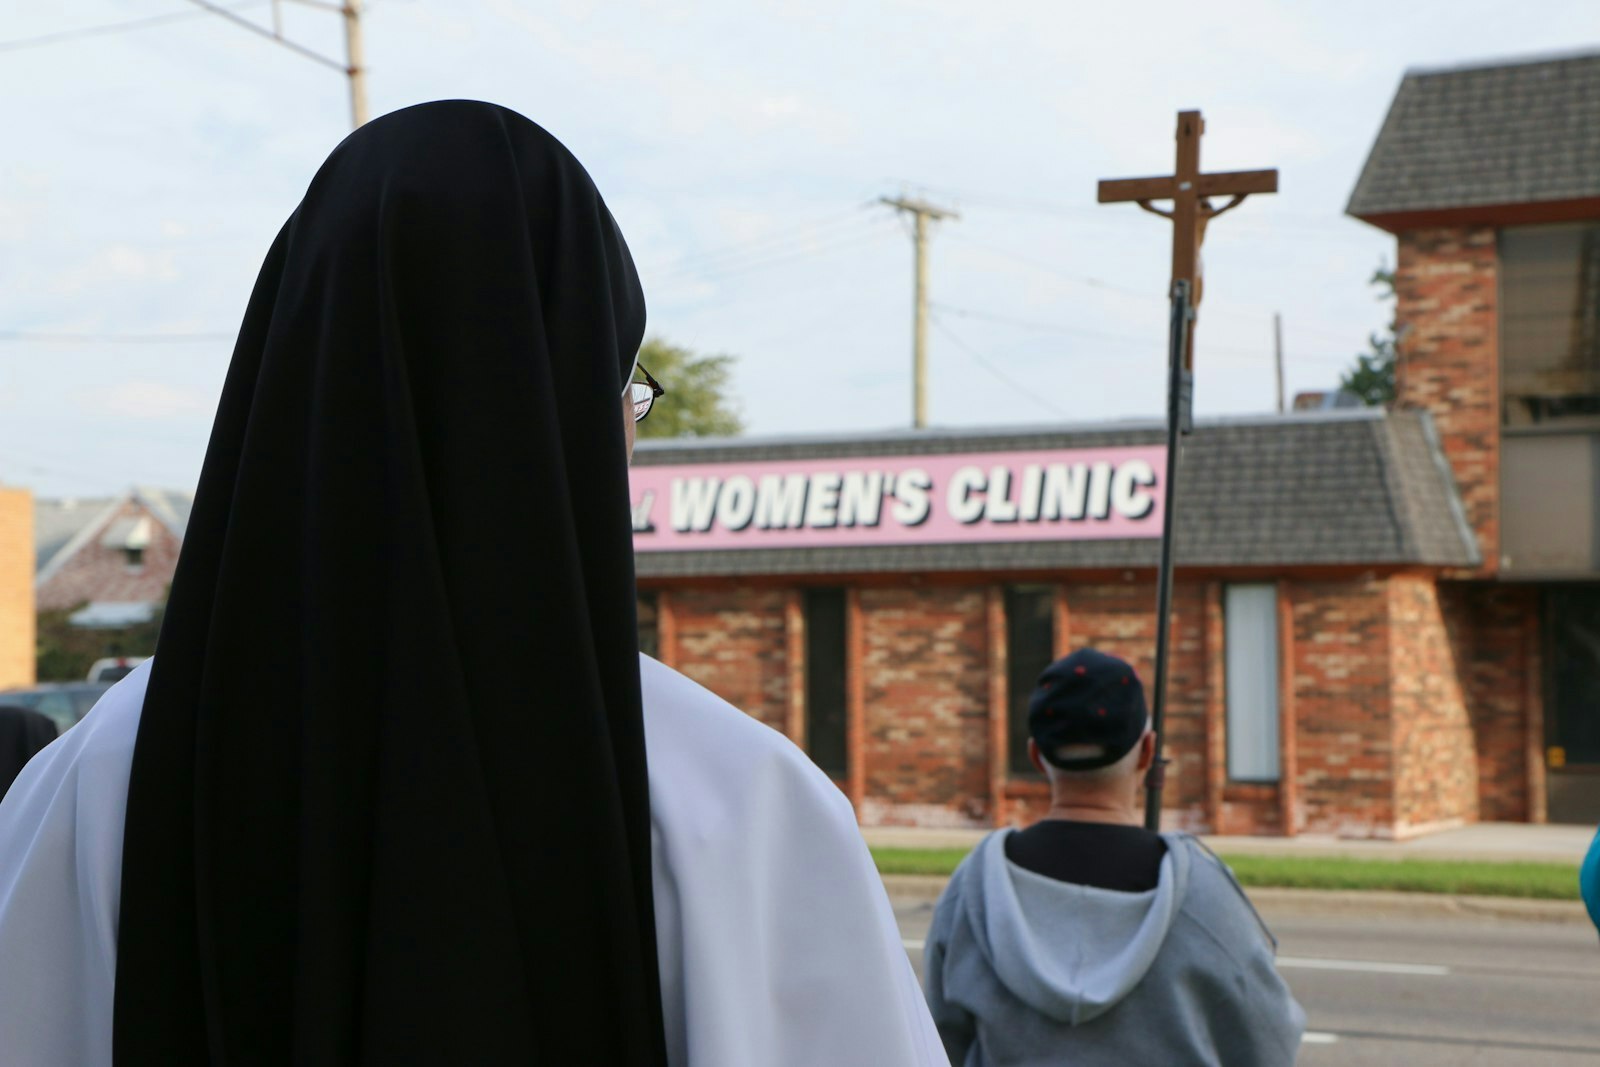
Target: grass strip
{"x": 1534, "y": 881}
{"x": 1478, "y": 878}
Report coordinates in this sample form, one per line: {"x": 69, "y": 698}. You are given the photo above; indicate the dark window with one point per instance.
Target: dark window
{"x": 1030, "y": 648}
{"x": 1550, "y": 324}
{"x": 1572, "y": 704}
{"x": 826, "y": 727}
{"x": 649, "y": 624}
{"x": 135, "y": 557}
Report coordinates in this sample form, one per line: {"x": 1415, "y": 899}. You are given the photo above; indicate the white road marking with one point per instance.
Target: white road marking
{"x": 1363, "y": 966}
{"x": 1314, "y": 1037}
{"x": 910, "y": 944}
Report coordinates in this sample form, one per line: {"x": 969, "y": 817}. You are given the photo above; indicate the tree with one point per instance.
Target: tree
{"x": 696, "y": 403}
{"x": 1372, "y": 378}
{"x": 65, "y": 651}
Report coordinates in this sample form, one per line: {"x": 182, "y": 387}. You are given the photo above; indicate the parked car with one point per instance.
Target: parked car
{"x": 114, "y": 668}
{"x": 63, "y": 702}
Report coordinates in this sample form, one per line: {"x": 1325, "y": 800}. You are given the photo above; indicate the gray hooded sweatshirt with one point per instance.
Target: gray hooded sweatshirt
{"x": 1022, "y": 969}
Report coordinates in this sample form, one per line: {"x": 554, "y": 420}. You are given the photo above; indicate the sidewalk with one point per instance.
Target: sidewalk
{"x": 1495, "y": 842}
{"x": 923, "y": 890}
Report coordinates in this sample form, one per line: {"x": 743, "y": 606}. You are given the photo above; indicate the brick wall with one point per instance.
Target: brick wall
{"x": 99, "y": 573}
{"x": 1446, "y": 289}
{"x": 1493, "y": 632}
{"x": 1436, "y": 762}
{"x": 925, "y": 685}
{"x": 17, "y": 652}
{"x": 1409, "y": 699}
{"x": 732, "y": 641}
{"x": 1120, "y": 618}
{"x": 1345, "y": 731}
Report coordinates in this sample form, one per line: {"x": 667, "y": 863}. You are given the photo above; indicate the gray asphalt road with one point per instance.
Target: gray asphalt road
{"x": 1424, "y": 992}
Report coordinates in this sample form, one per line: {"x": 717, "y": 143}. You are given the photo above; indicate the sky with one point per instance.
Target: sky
{"x": 742, "y": 145}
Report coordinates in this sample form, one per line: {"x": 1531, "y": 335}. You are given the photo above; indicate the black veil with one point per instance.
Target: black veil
{"x": 24, "y": 733}
{"x": 388, "y": 802}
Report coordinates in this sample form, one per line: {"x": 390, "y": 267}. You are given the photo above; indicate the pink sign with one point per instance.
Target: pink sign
{"x": 1078, "y": 495}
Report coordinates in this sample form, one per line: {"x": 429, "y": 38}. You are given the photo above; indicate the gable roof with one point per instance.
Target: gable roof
{"x": 62, "y": 527}
{"x": 171, "y": 506}
{"x": 1512, "y": 133}
{"x": 58, "y": 522}
{"x": 1326, "y": 488}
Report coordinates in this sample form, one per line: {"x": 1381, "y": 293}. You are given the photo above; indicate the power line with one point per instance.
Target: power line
{"x": 736, "y": 262}
{"x": 1037, "y": 264}
{"x": 999, "y": 374}
{"x": 354, "y": 67}
{"x": 276, "y": 35}
{"x": 1046, "y": 206}
{"x": 50, "y": 338}
{"x": 110, "y": 28}
{"x": 1098, "y": 283}
{"x": 1041, "y": 326}
{"x": 781, "y": 237}
{"x": 779, "y": 257}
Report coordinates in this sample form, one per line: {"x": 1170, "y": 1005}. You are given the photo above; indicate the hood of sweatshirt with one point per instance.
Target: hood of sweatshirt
{"x": 1070, "y": 952}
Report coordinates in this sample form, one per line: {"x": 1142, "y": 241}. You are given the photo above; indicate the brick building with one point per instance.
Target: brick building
{"x": 17, "y": 621}
{"x": 896, "y": 633}
{"x": 112, "y": 557}
{"x": 1385, "y": 621}
{"x": 1489, "y": 178}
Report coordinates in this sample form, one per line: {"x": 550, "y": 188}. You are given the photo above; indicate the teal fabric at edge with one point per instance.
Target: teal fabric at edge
{"x": 1589, "y": 881}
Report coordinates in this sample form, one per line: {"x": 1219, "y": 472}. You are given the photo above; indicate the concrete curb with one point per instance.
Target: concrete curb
{"x": 1388, "y": 905}
{"x": 925, "y": 889}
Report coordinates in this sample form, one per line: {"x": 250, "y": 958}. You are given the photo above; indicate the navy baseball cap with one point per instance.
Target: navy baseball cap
{"x": 1087, "y": 698}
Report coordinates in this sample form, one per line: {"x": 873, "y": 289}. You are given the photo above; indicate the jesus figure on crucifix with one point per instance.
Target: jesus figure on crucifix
{"x": 1190, "y": 192}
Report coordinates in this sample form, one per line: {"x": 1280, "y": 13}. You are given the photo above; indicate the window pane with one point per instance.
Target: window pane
{"x": 1030, "y": 648}
{"x": 825, "y": 679}
{"x": 1550, "y": 322}
{"x": 649, "y": 624}
{"x": 1548, "y": 524}
{"x": 1251, "y": 615}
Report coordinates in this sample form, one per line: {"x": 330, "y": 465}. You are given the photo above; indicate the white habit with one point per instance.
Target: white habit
{"x": 777, "y": 944}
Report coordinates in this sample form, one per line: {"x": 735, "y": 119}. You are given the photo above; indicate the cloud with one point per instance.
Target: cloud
{"x": 117, "y": 264}
{"x": 13, "y": 220}
{"x": 674, "y": 95}
{"x": 145, "y": 400}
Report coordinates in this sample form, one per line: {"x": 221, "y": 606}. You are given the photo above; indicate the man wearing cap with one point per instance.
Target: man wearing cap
{"x": 1086, "y": 939}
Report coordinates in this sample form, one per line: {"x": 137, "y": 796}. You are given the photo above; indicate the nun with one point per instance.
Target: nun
{"x": 23, "y": 734}
{"x": 397, "y": 787}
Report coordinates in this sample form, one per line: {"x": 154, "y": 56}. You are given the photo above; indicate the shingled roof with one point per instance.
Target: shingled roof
{"x": 1327, "y": 488}
{"x": 1508, "y": 134}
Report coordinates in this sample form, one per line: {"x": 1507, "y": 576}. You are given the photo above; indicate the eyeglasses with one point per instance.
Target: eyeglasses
{"x": 643, "y": 394}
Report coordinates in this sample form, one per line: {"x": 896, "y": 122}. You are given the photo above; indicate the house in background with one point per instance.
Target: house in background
{"x": 115, "y": 555}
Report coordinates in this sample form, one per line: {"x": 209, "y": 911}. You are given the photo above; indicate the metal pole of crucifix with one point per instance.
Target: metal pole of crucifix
{"x": 1189, "y": 191}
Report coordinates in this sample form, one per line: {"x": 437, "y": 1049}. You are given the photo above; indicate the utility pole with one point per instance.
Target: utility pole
{"x": 355, "y": 63}
{"x": 920, "y": 211}
{"x": 354, "y": 67}
{"x": 1277, "y": 352}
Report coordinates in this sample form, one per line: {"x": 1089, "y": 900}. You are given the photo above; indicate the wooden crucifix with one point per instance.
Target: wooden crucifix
{"x": 1190, "y": 192}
